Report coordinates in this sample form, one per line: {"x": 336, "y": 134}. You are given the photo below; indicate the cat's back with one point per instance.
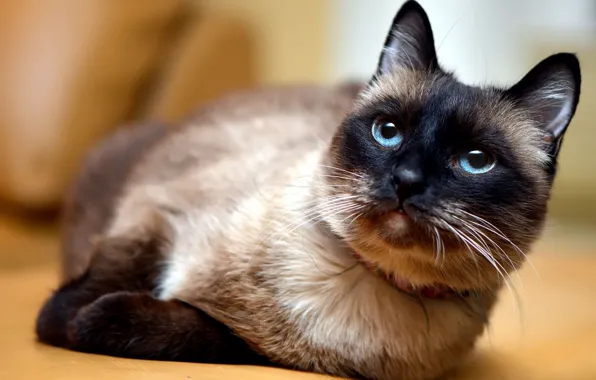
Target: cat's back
{"x": 219, "y": 160}
{"x": 248, "y": 126}
{"x": 232, "y": 131}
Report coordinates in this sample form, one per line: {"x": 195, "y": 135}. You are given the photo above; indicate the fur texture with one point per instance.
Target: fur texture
{"x": 247, "y": 222}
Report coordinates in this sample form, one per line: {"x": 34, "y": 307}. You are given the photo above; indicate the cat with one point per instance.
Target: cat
{"x": 359, "y": 230}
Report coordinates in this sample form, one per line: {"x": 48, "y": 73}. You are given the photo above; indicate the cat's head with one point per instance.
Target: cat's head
{"x": 438, "y": 181}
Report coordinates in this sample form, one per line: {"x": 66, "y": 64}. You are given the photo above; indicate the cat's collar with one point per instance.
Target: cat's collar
{"x": 428, "y": 291}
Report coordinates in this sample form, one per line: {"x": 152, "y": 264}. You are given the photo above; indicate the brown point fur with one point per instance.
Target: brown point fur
{"x": 89, "y": 203}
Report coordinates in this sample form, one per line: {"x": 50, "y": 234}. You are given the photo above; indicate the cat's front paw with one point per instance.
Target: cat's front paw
{"x": 137, "y": 325}
{"x": 114, "y": 324}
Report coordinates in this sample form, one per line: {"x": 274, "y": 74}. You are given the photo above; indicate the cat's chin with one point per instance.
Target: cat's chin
{"x": 396, "y": 228}
{"x": 399, "y": 231}
{"x": 397, "y": 221}
{"x": 406, "y": 249}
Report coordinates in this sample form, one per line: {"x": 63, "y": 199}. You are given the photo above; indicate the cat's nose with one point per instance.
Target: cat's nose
{"x": 408, "y": 181}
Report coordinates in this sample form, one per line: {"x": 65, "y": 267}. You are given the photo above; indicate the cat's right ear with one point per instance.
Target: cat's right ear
{"x": 410, "y": 43}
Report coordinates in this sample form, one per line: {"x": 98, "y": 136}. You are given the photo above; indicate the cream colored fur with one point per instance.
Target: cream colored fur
{"x": 247, "y": 249}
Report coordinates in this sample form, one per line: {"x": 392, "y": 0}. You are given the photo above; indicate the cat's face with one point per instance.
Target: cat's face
{"x": 443, "y": 182}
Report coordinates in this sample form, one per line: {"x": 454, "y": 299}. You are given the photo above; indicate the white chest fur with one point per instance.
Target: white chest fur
{"x": 340, "y": 306}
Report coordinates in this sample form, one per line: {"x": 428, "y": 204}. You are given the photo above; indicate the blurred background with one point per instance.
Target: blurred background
{"x": 74, "y": 70}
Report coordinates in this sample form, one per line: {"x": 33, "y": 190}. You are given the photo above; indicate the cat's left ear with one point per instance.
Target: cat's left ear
{"x": 410, "y": 42}
{"x": 550, "y": 92}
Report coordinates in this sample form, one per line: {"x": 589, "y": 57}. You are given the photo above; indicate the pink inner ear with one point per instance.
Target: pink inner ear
{"x": 548, "y": 138}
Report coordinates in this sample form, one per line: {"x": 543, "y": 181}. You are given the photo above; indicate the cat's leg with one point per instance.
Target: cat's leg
{"x": 137, "y": 325}
{"x": 110, "y": 310}
{"x": 118, "y": 263}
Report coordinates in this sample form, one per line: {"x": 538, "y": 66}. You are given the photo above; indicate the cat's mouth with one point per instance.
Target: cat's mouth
{"x": 405, "y": 225}
{"x": 416, "y": 254}
{"x": 399, "y": 211}
{"x": 400, "y": 218}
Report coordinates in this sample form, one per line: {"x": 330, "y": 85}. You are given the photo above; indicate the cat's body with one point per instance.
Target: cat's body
{"x": 261, "y": 218}
{"x": 239, "y": 253}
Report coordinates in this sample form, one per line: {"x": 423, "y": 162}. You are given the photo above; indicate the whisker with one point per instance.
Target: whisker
{"x": 317, "y": 202}
{"x": 344, "y": 177}
{"x": 354, "y": 219}
{"x": 508, "y": 281}
{"x": 314, "y": 203}
{"x": 342, "y": 170}
{"x": 436, "y": 245}
{"x": 308, "y": 186}
{"x": 470, "y": 243}
{"x": 309, "y": 213}
{"x": 328, "y": 207}
{"x": 440, "y": 248}
{"x": 492, "y": 228}
{"x": 472, "y": 255}
{"x": 318, "y": 214}
{"x": 350, "y": 216}
{"x": 482, "y": 236}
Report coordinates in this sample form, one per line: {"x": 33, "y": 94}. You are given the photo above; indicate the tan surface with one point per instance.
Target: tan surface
{"x": 557, "y": 339}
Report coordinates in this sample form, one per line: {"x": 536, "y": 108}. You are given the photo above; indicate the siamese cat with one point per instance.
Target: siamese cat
{"x": 358, "y": 230}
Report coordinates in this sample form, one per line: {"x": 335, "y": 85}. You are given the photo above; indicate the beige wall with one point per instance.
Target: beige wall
{"x": 574, "y": 196}
{"x": 290, "y": 36}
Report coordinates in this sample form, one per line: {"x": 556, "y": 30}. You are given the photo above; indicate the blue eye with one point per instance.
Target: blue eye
{"x": 386, "y": 133}
{"x": 476, "y": 162}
